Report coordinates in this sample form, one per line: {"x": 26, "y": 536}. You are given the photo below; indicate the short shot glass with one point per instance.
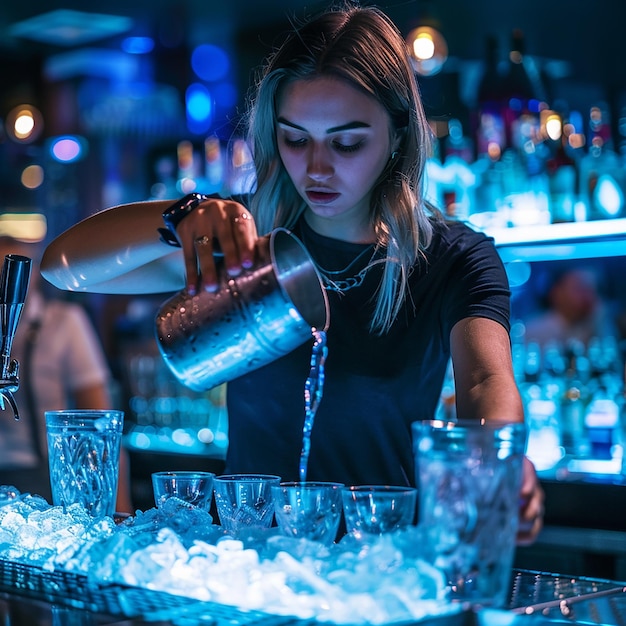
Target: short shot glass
{"x": 191, "y": 487}
{"x": 308, "y": 509}
{"x": 245, "y": 501}
{"x": 378, "y": 509}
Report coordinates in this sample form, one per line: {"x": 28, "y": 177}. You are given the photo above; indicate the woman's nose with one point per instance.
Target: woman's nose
{"x": 319, "y": 166}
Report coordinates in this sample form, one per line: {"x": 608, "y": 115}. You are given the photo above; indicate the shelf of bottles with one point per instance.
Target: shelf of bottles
{"x": 519, "y": 163}
{"x": 574, "y": 402}
{"x": 548, "y": 173}
{"x": 575, "y": 408}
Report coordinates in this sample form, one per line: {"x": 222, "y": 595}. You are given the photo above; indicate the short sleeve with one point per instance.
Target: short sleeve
{"x": 478, "y": 286}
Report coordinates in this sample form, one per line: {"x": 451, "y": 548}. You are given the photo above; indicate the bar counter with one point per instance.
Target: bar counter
{"x": 575, "y": 573}
{"x": 584, "y": 530}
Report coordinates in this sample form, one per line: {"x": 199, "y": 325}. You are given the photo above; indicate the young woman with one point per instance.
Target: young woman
{"x": 340, "y": 139}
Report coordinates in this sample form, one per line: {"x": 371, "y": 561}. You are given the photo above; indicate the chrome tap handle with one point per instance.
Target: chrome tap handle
{"x": 14, "y": 281}
{"x": 8, "y": 395}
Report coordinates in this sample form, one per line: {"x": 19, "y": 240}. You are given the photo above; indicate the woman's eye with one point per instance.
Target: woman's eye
{"x": 301, "y": 142}
{"x": 294, "y": 143}
{"x": 342, "y": 147}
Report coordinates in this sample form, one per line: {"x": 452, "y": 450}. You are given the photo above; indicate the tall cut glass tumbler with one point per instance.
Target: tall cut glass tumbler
{"x": 469, "y": 476}
{"x": 83, "y": 454}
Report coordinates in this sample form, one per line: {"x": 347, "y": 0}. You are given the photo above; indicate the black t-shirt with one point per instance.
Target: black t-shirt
{"x": 375, "y": 386}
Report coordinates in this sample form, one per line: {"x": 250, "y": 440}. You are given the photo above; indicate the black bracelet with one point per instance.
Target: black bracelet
{"x": 173, "y": 215}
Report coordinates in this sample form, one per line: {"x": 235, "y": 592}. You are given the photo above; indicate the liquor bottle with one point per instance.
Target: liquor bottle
{"x": 213, "y": 165}
{"x": 526, "y": 150}
{"x": 521, "y": 111}
{"x": 562, "y": 171}
{"x": 489, "y": 192}
{"x": 602, "y": 181}
{"x": 457, "y": 179}
{"x": 602, "y": 422}
{"x": 490, "y": 133}
{"x": 572, "y": 421}
{"x": 540, "y": 394}
{"x": 490, "y": 141}
{"x": 574, "y": 399}
{"x": 602, "y": 417}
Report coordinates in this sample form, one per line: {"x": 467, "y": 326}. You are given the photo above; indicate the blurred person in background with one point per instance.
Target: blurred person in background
{"x": 574, "y": 310}
{"x": 62, "y": 366}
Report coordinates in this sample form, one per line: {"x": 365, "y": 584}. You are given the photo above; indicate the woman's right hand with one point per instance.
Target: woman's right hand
{"x": 214, "y": 221}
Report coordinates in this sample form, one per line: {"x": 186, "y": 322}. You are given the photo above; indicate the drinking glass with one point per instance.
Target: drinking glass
{"x": 308, "y": 509}
{"x": 83, "y": 455}
{"x": 244, "y": 500}
{"x": 195, "y": 488}
{"x": 378, "y": 509}
{"x": 469, "y": 475}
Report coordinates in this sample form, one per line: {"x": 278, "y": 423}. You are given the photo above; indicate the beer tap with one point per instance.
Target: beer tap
{"x": 13, "y": 287}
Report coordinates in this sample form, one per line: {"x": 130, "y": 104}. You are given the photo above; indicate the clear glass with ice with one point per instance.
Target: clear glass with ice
{"x": 469, "y": 477}
{"x": 83, "y": 455}
{"x": 244, "y": 501}
{"x": 308, "y": 509}
{"x": 373, "y": 510}
{"x": 192, "y": 487}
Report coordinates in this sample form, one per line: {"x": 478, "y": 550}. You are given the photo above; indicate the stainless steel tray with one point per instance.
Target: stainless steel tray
{"x": 537, "y": 599}
{"x": 569, "y": 600}
{"x": 76, "y": 591}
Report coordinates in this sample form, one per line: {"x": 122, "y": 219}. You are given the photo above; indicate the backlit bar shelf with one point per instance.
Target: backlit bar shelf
{"x": 573, "y": 240}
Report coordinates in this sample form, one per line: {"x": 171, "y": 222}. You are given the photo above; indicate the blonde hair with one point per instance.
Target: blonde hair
{"x": 363, "y": 47}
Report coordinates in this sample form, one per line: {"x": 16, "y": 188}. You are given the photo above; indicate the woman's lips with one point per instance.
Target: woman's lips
{"x": 321, "y": 197}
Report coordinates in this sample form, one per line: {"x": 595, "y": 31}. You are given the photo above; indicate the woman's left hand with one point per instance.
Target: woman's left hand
{"x": 531, "y": 506}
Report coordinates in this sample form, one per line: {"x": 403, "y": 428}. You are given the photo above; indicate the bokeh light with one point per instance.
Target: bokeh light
{"x": 138, "y": 45}
{"x": 67, "y": 148}
{"x": 210, "y": 62}
{"x": 199, "y": 105}
{"x": 29, "y": 227}
{"x": 428, "y": 50}
{"x": 32, "y": 176}
{"x": 24, "y": 123}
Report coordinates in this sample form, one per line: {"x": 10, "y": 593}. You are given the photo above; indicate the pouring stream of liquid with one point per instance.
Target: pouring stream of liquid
{"x": 313, "y": 391}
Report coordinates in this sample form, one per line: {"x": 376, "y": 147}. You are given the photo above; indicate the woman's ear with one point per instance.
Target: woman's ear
{"x": 398, "y": 139}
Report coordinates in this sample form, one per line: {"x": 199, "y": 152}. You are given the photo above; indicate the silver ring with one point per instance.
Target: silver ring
{"x": 202, "y": 241}
{"x": 243, "y": 216}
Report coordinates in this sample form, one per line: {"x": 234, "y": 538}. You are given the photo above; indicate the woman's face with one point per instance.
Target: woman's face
{"x": 334, "y": 142}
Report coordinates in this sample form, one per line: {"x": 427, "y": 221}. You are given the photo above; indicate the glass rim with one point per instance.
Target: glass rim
{"x": 182, "y": 473}
{"x": 83, "y": 411}
{"x": 310, "y": 483}
{"x": 468, "y": 423}
{"x": 101, "y": 419}
{"x": 247, "y": 478}
{"x": 380, "y": 488}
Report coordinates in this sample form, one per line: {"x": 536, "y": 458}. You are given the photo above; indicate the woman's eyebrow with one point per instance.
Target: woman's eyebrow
{"x": 334, "y": 129}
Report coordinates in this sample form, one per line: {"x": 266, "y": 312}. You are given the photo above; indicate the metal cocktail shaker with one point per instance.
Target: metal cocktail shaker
{"x": 251, "y": 320}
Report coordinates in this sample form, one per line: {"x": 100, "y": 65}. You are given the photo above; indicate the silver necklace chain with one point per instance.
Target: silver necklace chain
{"x": 339, "y": 285}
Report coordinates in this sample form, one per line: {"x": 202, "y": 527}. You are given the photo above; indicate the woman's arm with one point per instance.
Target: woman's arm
{"x": 120, "y": 250}
{"x": 103, "y": 249}
{"x": 485, "y": 388}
